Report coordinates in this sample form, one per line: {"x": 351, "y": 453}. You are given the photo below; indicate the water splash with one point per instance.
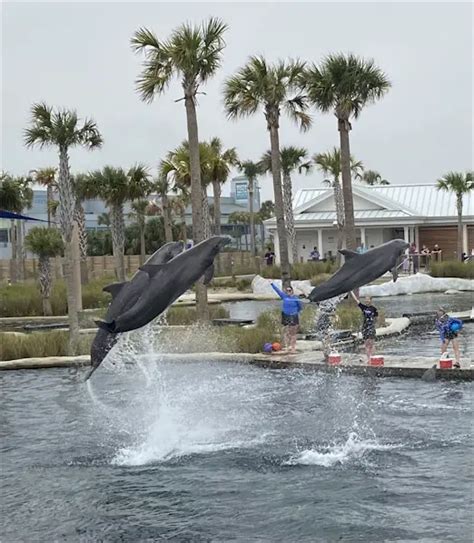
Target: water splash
{"x": 353, "y": 448}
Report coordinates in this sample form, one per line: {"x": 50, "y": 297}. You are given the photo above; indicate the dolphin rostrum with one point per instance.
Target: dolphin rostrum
{"x": 360, "y": 269}
{"x": 124, "y": 296}
{"x": 167, "y": 283}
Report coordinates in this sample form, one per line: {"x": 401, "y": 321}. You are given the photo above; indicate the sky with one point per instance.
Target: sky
{"x": 78, "y": 55}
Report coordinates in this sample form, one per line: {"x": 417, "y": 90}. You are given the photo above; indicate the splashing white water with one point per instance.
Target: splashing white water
{"x": 354, "y": 448}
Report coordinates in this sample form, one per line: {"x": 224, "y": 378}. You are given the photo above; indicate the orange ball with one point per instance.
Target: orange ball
{"x": 276, "y": 346}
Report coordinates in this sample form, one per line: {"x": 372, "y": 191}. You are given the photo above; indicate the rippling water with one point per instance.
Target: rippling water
{"x": 203, "y": 451}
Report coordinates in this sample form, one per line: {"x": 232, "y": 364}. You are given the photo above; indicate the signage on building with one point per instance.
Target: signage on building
{"x": 241, "y": 191}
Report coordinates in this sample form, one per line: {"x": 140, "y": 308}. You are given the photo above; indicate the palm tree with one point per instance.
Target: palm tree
{"x": 45, "y": 243}
{"x": 292, "y": 158}
{"x": 251, "y": 170}
{"x": 345, "y": 84}
{"x": 330, "y": 164}
{"x": 166, "y": 170}
{"x": 139, "y": 213}
{"x": 460, "y": 184}
{"x": 11, "y": 200}
{"x": 81, "y": 192}
{"x": 60, "y": 128}
{"x": 221, "y": 162}
{"x": 117, "y": 186}
{"x": 193, "y": 54}
{"x": 272, "y": 87}
{"x": 371, "y": 177}
{"x": 47, "y": 178}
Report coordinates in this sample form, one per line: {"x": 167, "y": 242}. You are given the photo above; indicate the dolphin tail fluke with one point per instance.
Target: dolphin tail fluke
{"x": 107, "y": 326}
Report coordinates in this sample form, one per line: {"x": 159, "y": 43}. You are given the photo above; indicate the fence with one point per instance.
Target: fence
{"x": 226, "y": 263}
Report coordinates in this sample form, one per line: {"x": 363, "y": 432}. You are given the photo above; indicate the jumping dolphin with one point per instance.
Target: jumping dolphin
{"x": 124, "y": 296}
{"x": 360, "y": 269}
{"x": 167, "y": 283}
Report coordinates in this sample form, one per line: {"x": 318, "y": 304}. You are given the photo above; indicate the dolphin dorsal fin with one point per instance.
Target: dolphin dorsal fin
{"x": 114, "y": 288}
{"x": 151, "y": 269}
{"x": 348, "y": 253}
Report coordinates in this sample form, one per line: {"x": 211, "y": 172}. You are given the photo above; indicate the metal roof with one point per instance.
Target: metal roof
{"x": 425, "y": 200}
{"x": 358, "y": 215}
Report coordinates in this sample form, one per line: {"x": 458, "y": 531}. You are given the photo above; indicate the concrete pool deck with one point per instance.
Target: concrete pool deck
{"x": 312, "y": 360}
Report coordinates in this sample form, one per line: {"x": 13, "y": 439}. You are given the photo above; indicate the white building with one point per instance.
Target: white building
{"x": 418, "y": 213}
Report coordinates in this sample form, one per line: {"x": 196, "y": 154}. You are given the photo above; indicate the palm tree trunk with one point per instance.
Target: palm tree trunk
{"x": 166, "y": 218}
{"x": 279, "y": 211}
{"x": 252, "y": 219}
{"x": 349, "y": 226}
{"x": 196, "y": 196}
{"x": 216, "y": 188}
{"x": 460, "y": 233}
{"x": 80, "y": 219}
{"x": 141, "y": 225}
{"x": 66, "y": 221}
{"x": 289, "y": 219}
{"x": 118, "y": 240}
{"x": 19, "y": 251}
{"x": 49, "y": 198}
{"x": 205, "y": 214}
{"x": 339, "y": 201}
{"x": 14, "y": 260}
{"x": 45, "y": 282}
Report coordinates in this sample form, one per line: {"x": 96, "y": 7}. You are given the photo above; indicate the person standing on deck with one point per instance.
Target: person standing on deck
{"x": 370, "y": 315}
{"x": 290, "y": 319}
{"x": 448, "y": 329}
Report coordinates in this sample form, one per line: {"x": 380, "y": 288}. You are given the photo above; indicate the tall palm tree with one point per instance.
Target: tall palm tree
{"x": 45, "y": 243}
{"x": 292, "y": 158}
{"x": 330, "y": 164}
{"x": 116, "y": 187}
{"x": 61, "y": 128}
{"x": 139, "y": 214}
{"x": 81, "y": 193}
{"x": 371, "y": 177}
{"x": 179, "y": 204}
{"x": 192, "y": 54}
{"x": 345, "y": 84}
{"x": 460, "y": 184}
{"x": 47, "y": 178}
{"x": 273, "y": 88}
{"x": 163, "y": 185}
{"x": 221, "y": 162}
{"x": 251, "y": 170}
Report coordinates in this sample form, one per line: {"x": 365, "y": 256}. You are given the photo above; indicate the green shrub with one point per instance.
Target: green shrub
{"x": 24, "y": 299}
{"x": 38, "y": 344}
{"x": 319, "y": 278}
{"x": 301, "y": 270}
{"x": 246, "y": 340}
{"x": 452, "y": 268}
{"x": 188, "y": 315}
{"x": 349, "y": 317}
{"x": 243, "y": 284}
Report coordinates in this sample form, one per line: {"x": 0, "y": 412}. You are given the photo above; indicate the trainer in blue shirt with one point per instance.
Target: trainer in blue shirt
{"x": 290, "y": 320}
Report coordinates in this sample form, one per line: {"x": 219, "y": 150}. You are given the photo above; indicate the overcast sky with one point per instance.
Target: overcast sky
{"x": 78, "y": 55}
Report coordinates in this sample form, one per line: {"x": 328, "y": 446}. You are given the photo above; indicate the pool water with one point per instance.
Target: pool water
{"x": 214, "y": 451}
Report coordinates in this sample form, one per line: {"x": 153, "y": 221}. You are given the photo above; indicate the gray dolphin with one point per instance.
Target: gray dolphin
{"x": 167, "y": 283}
{"x": 360, "y": 269}
{"x": 124, "y": 296}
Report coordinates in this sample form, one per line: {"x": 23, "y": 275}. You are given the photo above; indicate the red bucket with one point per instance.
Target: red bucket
{"x": 334, "y": 359}
{"x": 376, "y": 361}
{"x": 446, "y": 363}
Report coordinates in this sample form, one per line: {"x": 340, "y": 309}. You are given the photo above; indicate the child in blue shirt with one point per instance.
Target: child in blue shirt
{"x": 448, "y": 329}
{"x": 290, "y": 320}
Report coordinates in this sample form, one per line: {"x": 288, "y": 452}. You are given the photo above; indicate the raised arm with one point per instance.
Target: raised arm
{"x": 357, "y": 301}
{"x": 278, "y": 291}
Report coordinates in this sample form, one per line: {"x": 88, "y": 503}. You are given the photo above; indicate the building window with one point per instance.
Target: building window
{"x": 3, "y": 236}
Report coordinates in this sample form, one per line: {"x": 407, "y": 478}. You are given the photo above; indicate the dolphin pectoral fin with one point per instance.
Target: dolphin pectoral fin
{"x": 151, "y": 269}
{"x": 348, "y": 253}
{"x": 394, "y": 273}
{"x": 114, "y": 288}
{"x": 209, "y": 274}
{"x": 107, "y": 326}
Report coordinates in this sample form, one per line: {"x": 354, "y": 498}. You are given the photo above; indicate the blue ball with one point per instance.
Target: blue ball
{"x": 267, "y": 348}
{"x": 455, "y": 327}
